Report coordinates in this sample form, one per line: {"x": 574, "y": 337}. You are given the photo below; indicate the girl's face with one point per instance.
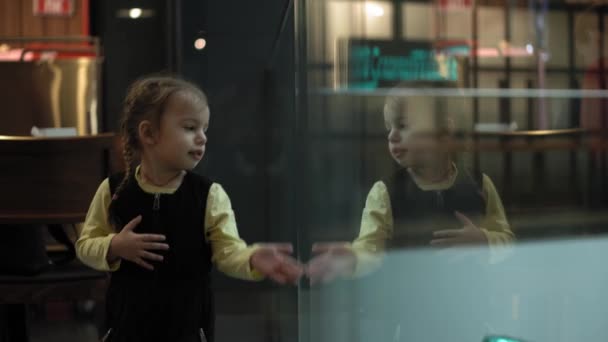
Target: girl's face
{"x": 412, "y": 134}
{"x": 181, "y": 138}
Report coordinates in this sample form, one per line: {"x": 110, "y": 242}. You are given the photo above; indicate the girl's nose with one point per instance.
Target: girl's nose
{"x": 201, "y": 138}
{"x": 393, "y": 136}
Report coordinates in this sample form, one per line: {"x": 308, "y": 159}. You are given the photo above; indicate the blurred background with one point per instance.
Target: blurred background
{"x": 296, "y": 92}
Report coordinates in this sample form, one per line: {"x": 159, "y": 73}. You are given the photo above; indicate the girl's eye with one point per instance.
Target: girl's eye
{"x": 190, "y": 128}
{"x": 397, "y": 126}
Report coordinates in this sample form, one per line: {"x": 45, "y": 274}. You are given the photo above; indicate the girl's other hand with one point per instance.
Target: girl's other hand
{"x": 469, "y": 234}
{"x": 135, "y": 247}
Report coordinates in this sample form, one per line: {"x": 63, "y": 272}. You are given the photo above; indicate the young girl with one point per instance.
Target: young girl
{"x": 158, "y": 227}
{"x": 430, "y": 201}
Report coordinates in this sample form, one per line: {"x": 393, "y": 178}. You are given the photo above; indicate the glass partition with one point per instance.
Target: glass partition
{"x": 452, "y": 179}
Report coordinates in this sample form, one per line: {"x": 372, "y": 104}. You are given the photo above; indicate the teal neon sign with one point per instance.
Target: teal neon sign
{"x": 372, "y": 64}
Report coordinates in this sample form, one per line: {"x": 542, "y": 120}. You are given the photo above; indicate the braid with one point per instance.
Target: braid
{"x": 128, "y": 156}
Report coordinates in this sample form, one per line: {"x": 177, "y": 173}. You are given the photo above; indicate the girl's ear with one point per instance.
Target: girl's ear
{"x": 146, "y": 132}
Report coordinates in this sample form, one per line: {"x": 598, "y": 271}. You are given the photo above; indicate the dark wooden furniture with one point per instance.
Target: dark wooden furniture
{"x": 48, "y": 181}
{"x": 541, "y": 212}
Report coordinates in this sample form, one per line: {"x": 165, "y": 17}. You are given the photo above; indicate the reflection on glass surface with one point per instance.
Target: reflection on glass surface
{"x": 455, "y": 170}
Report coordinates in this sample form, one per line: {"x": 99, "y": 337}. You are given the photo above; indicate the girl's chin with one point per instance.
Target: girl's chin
{"x": 402, "y": 163}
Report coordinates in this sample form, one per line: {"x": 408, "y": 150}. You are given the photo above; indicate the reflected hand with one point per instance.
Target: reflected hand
{"x": 469, "y": 234}
{"x": 332, "y": 260}
{"x": 273, "y": 260}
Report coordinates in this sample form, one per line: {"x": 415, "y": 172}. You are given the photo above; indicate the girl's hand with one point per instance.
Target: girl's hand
{"x": 470, "y": 234}
{"x": 273, "y": 260}
{"x": 135, "y": 247}
{"x": 332, "y": 260}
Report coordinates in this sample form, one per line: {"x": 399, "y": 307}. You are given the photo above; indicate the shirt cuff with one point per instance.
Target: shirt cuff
{"x": 365, "y": 261}
{"x": 107, "y": 266}
{"x": 253, "y": 273}
{"x": 498, "y": 250}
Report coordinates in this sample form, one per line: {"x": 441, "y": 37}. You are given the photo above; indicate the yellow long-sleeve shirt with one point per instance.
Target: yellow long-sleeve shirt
{"x": 377, "y": 222}
{"x": 230, "y": 253}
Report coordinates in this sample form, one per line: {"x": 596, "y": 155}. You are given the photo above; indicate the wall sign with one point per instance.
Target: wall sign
{"x": 370, "y": 64}
{"x": 61, "y": 8}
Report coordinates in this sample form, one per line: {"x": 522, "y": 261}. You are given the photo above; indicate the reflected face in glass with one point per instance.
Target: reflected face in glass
{"x": 182, "y": 137}
{"x": 412, "y": 140}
